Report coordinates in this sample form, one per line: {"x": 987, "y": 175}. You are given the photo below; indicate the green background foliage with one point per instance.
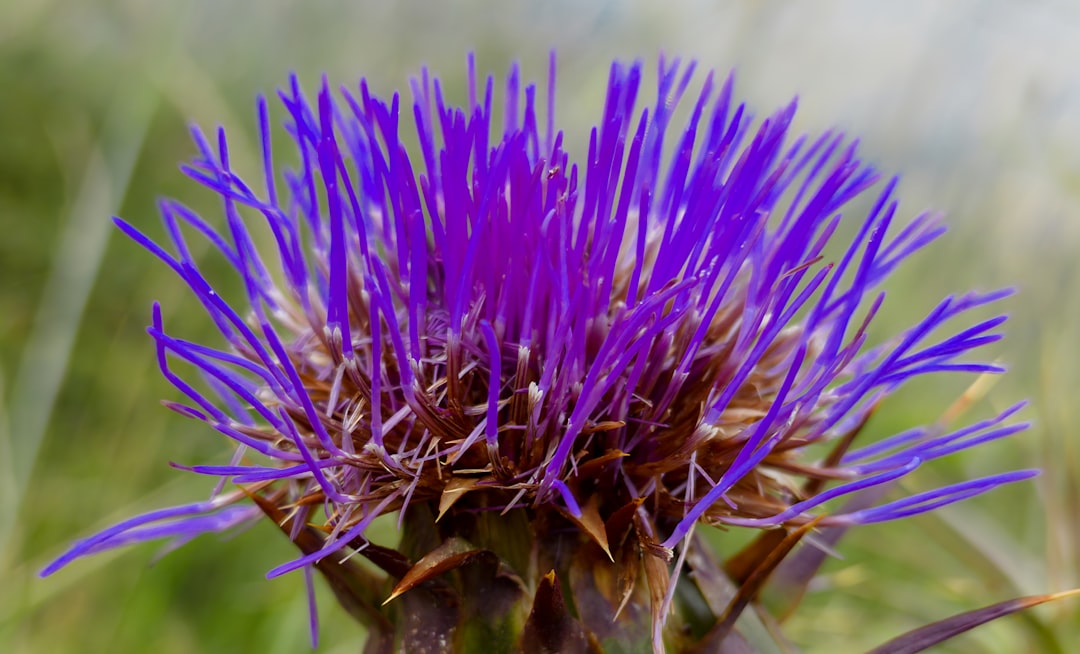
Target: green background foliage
{"x": 976, "y": 104}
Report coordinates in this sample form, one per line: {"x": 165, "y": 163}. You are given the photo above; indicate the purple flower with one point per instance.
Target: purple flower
{"x": 444, "y": 308}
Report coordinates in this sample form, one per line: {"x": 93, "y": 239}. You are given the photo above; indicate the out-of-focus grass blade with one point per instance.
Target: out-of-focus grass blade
{"x": 749, "y": 587}
{"x": 1059, "y": 455}
{"x": 932, "y": 634}
{"x": 355, "y": 588}
{"x": 985, "y": 549}
{"x": 25, "y": 592}
{"x": 795, "y": 573}
{"x": 719, "y": 592}
{"x": 59, "y": 313}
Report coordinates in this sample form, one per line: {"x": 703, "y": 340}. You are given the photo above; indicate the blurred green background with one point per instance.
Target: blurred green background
{"x": 976, "y": 104}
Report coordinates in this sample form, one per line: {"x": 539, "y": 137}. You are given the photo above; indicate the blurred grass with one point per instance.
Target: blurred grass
{"x": 975, "y": 104}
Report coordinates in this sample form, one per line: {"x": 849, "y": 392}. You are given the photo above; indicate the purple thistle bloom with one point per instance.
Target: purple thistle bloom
{"x": 480, "y": 324}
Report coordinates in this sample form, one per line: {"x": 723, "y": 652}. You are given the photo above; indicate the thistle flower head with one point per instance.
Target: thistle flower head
{"x": 447, "y": 309}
